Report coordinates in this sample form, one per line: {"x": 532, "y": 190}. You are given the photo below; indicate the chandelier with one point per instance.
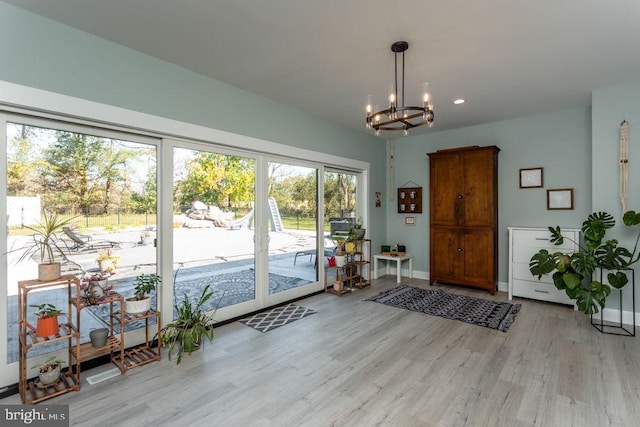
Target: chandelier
{"x": 400, "y": 116}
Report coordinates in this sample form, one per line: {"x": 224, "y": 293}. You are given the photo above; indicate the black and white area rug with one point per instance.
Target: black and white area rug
{"x": 279, "y": 316}
{"x": 436, "y": 302}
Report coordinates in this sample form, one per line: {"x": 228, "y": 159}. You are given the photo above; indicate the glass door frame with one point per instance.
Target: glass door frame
{"x": 134, "y": 337}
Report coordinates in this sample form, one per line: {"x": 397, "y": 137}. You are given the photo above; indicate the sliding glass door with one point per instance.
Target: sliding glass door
{"x": 292, "y": 210}
{"x": 214, "y": 221}
{"x": 104, "y": 185}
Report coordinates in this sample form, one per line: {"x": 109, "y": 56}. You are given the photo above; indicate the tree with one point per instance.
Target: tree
{"x": 83, "y": 171}
{"x": 22, "y": 170}
{"x": 217, "y": 179}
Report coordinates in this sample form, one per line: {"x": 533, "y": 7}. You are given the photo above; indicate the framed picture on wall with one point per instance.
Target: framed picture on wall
{"x": 561, "y": 198}
{"x": 531, "y": 178}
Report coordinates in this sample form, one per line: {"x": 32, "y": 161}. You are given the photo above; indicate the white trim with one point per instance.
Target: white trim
{"x": 18, "y": 97}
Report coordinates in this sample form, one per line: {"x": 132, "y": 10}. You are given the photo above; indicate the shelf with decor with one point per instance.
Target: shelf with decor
{"x": 338, "y": 287}
{"x": 86, "y": 297}
{"x": 143, "y": 353}
{"x": 362, "y": 262}
{"x": 355, "y": 272}
{"x": 33, "y": 390}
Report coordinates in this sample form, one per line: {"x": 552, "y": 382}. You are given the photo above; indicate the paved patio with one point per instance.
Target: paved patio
{"x": 198, "y": 253}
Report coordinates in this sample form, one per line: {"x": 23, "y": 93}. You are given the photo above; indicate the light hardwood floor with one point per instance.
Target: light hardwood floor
{"x": 360, "y": 363}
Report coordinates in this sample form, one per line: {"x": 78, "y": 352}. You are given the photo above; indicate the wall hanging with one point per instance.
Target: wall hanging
{"x": 410, "y": 199}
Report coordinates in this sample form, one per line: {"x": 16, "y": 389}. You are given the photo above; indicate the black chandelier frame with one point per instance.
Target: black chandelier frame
{"x": 400, "y": 117}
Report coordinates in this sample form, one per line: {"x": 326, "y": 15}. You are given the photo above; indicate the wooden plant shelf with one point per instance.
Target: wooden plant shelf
{"x": 136, "y": 356}
{"x": 144, "y": 353}
{"x": 34, "y": 394}
{"x": 67, "y": 330}
{"x": 88, "y": 351}
{"x": 30, "y": 392}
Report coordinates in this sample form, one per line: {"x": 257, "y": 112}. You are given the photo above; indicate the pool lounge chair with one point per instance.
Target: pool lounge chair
{"x": 85, "y": 242}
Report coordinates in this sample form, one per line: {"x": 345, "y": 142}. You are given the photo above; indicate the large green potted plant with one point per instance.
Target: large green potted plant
{"x": 45, "y": 245}
{"x": 191, "y": 326}
{"x": 575, "y": 273}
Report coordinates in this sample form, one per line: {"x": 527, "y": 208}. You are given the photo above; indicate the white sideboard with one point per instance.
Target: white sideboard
{"x": 523, "y": 244}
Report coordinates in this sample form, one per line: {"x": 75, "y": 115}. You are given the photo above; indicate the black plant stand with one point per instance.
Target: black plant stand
{"x": 619, "y": 329}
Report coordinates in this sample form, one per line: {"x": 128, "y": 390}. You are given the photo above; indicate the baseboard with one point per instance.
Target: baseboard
{"x": 424, "y": 275}
{"x": 613, "y": 315}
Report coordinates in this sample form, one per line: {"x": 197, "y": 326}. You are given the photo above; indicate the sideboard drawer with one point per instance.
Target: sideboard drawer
{"x": 541, "y": 238}
{"x": 540, "y": 291}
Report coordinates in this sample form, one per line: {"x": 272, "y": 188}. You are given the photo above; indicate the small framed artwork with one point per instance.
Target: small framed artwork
{"x": 409, "y": 220}
{"x": 561, "y": 198}
{"x": 531, "y": 178}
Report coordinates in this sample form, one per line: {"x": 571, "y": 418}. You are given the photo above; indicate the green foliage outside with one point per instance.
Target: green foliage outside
{"x": 112, "y": 184}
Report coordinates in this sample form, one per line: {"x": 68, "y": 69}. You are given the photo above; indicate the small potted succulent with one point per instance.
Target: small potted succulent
{"x": 140, "y": 302}
{"x": 107, "y": 260}
{"x": 49, "y": 371}
{"x": 47, "y": 319}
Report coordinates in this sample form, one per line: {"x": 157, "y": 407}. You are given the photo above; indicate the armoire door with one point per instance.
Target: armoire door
{"x": 478, "y": 204}
{"x": 478, "y": 255}
{"x": 446, "y": 255}
{"x": 444, "y": 203}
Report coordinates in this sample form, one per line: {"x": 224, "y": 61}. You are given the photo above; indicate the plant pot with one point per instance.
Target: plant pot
{"x": 47, "y": 326}
{"x": 340, "y": 260}
{"x": 106, "y": 265}
{"x": 99, "y": 337}
{"x": 338, "y": 286}
{"x": 134, "y": 306}
{"x": 50, "y": 377}
{"x": 186, "y": 341}
{"x": 48, "y": 272}
{"x": 359, "y": 233}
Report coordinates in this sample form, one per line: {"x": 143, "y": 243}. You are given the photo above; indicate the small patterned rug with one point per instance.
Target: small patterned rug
{"x": 481, "y": 312}
{"x": 279, "y": 316}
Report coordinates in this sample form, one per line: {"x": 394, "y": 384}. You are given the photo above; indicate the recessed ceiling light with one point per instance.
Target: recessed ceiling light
{"x": 459, "y": 101}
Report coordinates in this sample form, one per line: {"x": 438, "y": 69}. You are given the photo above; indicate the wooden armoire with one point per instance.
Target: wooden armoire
{"x": 463, "y": 216}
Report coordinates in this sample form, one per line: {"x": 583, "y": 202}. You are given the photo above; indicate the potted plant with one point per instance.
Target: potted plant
{"x": 339, "y": 240}
{"x": 45, "y": 245}
{"x": 49, "y": 371}
{"x": 574, "y": 272}
{"x": 47, "y": 319}
{"x": 140, "y": 302}
{"x": 357, "y": 231}
{"x": 96, "y": 288}
{"x": 187, "y": 331}
{"x": 107, "y": 260}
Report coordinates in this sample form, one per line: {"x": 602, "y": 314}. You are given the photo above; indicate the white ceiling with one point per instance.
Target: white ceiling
{"x": 507, "y": 58}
